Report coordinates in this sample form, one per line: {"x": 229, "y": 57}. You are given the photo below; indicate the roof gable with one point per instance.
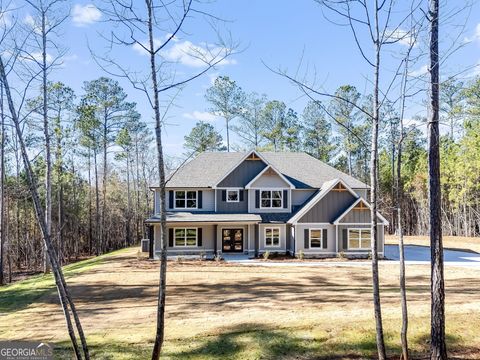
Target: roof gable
{"x": 358, "y": 213}
{"x": 269, "y": 177}
{"x": 243, "y": 172}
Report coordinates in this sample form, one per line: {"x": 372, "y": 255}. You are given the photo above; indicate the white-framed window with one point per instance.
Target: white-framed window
{"x": 271, "y": 199}
{"x": 359, "y": 239}
{"x": 233, "y": 195}
{"x": 272, "y": 237}
{"x": 185, "y": 237}
{"x": 316, "y": 238}
{"x": 186, "y": 199}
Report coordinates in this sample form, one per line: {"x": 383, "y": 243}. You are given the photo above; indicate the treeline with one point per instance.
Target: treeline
{"x": 338, "y": 133}
{"x": 101, "y": 172}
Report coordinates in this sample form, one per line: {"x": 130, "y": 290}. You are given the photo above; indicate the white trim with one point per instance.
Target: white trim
{"x": 184, "y": 249}
{"x": 185, "y": 237}
{"x": 186, "y": 200}
{"x": 237, "y": 164}
{"x": 360, "y": 230}
{"x": 336, "y": 238}
{"x": 306, "y": 251}
{"x": 360, "y": 199}
{"x": 265, "y": 237}
{"x": 271, "y": 198}
{"x": 310, "y": 238}
{"x": 249, "y": 185}
{"x": 232, "y": 190}
{"x": 315, "y": 223}
{"x": 318, "y": 197}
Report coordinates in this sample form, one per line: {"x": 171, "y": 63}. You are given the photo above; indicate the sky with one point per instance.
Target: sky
{"x": 278, "y": 33}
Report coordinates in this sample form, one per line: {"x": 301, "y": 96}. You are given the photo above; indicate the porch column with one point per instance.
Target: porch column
{"x": 215, "y": 228}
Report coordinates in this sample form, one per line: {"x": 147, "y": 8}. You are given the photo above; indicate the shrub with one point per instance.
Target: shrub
{"x": 218, "y": 257}
{"x": 341, "y": 255}
{"x": 266, "y": 255}
{"x": 300, "y": 255}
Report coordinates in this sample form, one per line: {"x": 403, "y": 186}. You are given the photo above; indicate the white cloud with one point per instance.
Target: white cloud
{"x": 83, "y": 15}
{"x": 5, "y": 20}
{"x": 37, "y": 56}
{"x": 476, "y": 35}
{"x": 187, "y": 53}
{"x": 201, "y": 116}
{"x": 402, "y": 36}
{"x": 419, "y": 72}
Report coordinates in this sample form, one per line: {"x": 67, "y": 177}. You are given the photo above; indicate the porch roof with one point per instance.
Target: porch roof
{"x": 207, "y": 217}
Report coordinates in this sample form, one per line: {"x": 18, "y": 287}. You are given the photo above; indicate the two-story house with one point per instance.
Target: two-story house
{"x": 283, "y": 202}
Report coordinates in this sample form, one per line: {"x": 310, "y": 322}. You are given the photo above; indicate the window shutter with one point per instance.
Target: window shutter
{"x": 285, "y": 199}
{"x": 170, "y": 199}
{"x": 257, "y": 198}
{"x": 324, "y": 238}
{"x": 240, "y": 195}
{"x": 199, "y": 236}
{"x": 306, "y": 238}
{"x": 200, "y": 199}
{"x": 224, "y": 195}
{"x": 345, "y": 239}
{"x": 170, "y": 237}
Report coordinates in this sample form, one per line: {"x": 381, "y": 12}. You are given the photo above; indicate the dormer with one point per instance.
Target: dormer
{"x": 270, "y": 191}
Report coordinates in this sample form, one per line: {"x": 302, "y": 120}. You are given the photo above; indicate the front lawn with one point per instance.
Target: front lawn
{"x": 224, "y": 311}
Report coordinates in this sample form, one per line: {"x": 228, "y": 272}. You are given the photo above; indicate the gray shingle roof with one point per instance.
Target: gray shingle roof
{"x": 301, "y": 169}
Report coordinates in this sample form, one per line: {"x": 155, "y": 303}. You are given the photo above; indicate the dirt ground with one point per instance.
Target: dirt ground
{"x": 117, "y": 302}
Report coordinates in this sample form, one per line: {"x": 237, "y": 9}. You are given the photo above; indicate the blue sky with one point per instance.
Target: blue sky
{"x": 273, "y": 31}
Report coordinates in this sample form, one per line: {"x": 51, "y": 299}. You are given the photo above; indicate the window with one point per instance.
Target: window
{"x": 271, "y": 198}
{"x": 185, "y": 237}
{"x": 185, "y": 199}
{"x": 233, "y": 196}
{"x": 359, "y": 239}
{"x": 272, "y": 236}
{"x": 315, "y": 238}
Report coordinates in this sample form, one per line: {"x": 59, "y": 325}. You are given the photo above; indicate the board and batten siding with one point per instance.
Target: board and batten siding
{"x": 208, "y": 199}
{"x": 300, "y": 238}
{"x": 329, "y": 208}
{"x": 355, "y": 216}
{"x": 232, "y": 207}
{"x": 208, "y": 239}
{"x": 343, "y": 237}
{"x": 243, "y": 174}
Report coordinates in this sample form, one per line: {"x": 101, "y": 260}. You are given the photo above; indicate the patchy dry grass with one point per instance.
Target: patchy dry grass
{"x": 224, "y": 311}
{"x": 449, "y": 242}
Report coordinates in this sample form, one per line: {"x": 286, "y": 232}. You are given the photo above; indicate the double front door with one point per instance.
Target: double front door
{"x": 232, "y": 240}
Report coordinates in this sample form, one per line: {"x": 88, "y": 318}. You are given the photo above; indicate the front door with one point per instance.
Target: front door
{"x": 232, "y": 240}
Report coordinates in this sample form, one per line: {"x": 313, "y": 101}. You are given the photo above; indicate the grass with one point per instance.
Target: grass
{"x": 224, "y": 311}
{"x": 19, "y": 295}
{"x": 449, "y": 242}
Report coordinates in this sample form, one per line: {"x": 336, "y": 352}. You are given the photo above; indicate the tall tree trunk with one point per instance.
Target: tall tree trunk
{"x": 64, "y": 295}
{"x": 97, "y": 209}
{"x": 373, "y": 195}
{"x": 2, "y": 186}
{"x": 104, "y": 187}
{"x": 437, "y": 346}
{"x": 160, "y": 332}
{"x": 90, "y": 225}
{"x": 46, "y": 132}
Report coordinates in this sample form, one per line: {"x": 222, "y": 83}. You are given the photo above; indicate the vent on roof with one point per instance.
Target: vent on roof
{"x": 339, "y": 187}
{"x": 253, "y": 156}
{"x": 361, "y": 206}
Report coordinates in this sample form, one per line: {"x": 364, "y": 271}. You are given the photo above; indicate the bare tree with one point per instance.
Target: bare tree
{"x": 438, "y": 346}
{"x": 138, "y": 22}
{"x": 2, "y": 185}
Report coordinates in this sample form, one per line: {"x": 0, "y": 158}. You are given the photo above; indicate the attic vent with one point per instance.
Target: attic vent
{"x": 270, "y": 172}
{"x": 253, "y": 156}
{"x": 339, "y": 187}
{"x": 361, "y": 206}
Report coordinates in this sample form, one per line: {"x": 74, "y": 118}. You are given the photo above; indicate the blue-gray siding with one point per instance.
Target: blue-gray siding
{"x": 329, "y": 207}
{"x": 243, "y": 173}
{"x": 232, "y": 207}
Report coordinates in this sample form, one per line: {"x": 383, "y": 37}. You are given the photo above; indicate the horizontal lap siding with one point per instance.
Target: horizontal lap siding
{"x": 208, "y": 200}
{"x": 300, "y": 196}
{"x": 329, "y": 207}
{"x": 208, "y": 238}
{"x": 261, "y": 238}
{"x": 341, "y": 228}
{"x": 300, "y": 238}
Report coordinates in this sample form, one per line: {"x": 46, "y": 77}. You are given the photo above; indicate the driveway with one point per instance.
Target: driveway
{"x": 415, "y": 254}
